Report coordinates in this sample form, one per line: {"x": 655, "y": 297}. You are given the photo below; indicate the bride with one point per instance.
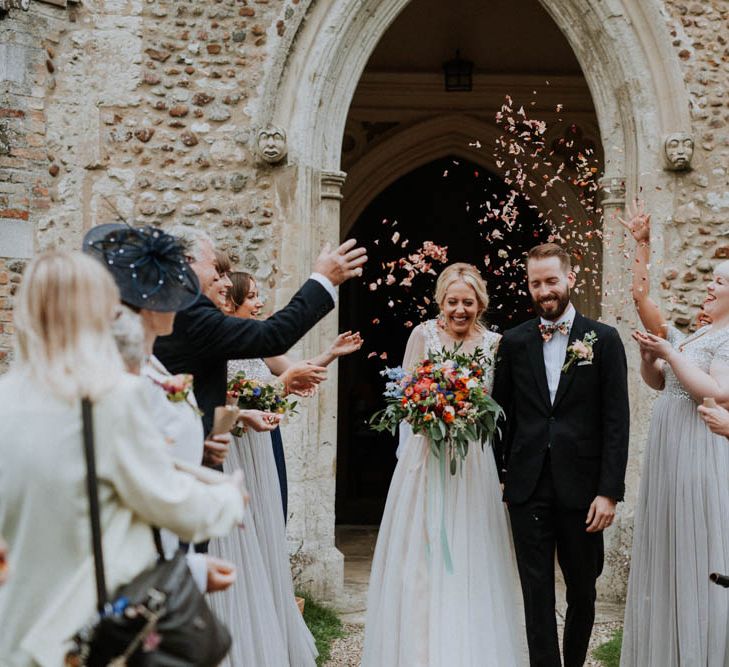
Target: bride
{"x": 422, "y": 612}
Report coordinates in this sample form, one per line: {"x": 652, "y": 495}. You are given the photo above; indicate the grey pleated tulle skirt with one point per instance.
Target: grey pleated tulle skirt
{"x": 675, "y": 617}
{"x": 259, "y": 608}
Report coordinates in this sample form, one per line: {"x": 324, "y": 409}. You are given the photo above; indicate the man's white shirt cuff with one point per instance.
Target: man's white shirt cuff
{"x": 326, "y": 284}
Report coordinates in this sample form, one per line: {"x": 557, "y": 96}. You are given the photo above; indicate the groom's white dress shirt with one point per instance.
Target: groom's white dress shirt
{"x": 555, "y": 350}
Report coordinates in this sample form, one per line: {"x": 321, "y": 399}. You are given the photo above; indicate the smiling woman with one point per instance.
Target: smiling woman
{"x": 429, "y": 601}
{"x": 685, "y": 464}
{"x": 462, "y": 298}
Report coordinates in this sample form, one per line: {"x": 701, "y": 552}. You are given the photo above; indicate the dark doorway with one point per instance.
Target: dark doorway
{"x": 443, "y": 202}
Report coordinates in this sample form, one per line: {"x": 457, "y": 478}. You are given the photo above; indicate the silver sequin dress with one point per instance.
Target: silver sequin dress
{"x": 675, "y": 617}
{"x": 260, "y": 609}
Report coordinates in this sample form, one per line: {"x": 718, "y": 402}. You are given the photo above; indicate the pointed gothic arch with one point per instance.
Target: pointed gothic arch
{"x": 639, "y": 96}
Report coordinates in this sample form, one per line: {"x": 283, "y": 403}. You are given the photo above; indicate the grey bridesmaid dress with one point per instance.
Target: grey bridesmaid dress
{"x": 675, "y": 617}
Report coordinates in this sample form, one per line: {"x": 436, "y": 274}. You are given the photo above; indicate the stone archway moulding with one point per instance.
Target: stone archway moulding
{"x": 624, "y": 49}
{"x": 318, "y": 63}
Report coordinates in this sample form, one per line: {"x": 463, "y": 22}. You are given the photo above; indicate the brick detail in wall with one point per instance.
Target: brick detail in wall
{"x": 26, "y": 164}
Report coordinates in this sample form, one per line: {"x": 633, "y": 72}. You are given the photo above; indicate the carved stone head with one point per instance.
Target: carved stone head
{"x": 679, "y": 149}
{"x": 271, "y": 144}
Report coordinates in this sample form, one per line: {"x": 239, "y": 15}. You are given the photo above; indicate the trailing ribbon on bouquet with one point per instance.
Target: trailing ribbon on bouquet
{"x": 443, "y": 534}
{"x": 442, "y": 464}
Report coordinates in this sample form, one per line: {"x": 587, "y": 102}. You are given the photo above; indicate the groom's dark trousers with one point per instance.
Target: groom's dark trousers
{"x": 555, "y": 457}
{"x": 540, "y": 527}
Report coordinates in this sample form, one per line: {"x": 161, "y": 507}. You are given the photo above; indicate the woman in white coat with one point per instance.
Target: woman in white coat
{"x": 65, "y": 350}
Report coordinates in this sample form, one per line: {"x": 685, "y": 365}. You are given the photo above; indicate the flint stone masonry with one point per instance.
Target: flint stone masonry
{"x": 695, "y": 235}
{"x": 148, "y": 110}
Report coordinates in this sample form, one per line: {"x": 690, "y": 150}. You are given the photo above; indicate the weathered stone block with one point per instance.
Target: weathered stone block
{"x": 201, "y": 99}
{"x": 218, "y": 114}
{"x": 144, "y": 134}
{"x": 160, "y": 55}
{"x": 179, "y": 110}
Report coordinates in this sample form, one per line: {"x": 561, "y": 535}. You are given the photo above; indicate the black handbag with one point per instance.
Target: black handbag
{"x": 159, "y": 619}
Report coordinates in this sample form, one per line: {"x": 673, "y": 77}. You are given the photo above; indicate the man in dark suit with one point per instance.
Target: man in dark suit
{"x": 562, "y": 381}
{"x": 204, "y": 339}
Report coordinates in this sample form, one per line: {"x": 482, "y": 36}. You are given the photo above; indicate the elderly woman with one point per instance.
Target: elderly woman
{"x": 65, "y": 351}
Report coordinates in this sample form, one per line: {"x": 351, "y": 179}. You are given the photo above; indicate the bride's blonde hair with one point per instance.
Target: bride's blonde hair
{"x": 63, "y": 314}
{"x": 470, "y": 275}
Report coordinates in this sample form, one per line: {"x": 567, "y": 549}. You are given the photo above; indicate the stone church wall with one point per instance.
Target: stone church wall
{"x": 697, "y": 235}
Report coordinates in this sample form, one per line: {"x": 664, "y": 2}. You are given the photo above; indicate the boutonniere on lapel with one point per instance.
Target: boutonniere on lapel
{"x": 178, "y": 388}
{"x": 581, "y": 351}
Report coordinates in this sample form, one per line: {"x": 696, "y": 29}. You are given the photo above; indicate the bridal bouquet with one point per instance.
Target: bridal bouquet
{"x": 249, "y": 394}
{"x": 445, "y": 398}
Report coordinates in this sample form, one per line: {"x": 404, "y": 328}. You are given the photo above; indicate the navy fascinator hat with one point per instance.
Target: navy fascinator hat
{"x": 148, "y": 265}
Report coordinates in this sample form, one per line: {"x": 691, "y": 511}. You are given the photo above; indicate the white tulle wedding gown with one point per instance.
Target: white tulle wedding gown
{"x": 420, "y": 614}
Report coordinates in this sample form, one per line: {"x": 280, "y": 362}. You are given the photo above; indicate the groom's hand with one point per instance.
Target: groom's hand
{"x": 601, "y": 514}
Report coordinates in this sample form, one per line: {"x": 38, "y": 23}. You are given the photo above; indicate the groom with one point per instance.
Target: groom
{"x": 562, "y": 381}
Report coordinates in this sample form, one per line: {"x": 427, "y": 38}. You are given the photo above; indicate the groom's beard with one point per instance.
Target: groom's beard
{"x": 553, "y": 309}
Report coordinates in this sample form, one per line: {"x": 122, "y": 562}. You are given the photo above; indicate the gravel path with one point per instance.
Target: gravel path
{"x": 347, "y": 651}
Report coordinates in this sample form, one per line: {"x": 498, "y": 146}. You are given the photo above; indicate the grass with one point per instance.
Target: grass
{"x": 324, "y": 625}
{"x": 609, "y": 652}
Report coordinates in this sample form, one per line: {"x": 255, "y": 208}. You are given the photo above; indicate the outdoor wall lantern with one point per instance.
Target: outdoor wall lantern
{"x": 458, "y": 74}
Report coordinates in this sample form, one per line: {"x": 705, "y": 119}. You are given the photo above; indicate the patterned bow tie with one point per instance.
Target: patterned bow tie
{"x": 548, "y": 330}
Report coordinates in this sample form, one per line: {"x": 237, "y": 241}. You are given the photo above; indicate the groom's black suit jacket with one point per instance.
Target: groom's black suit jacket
{"x": 585, "y": 430}
{"x": 204, "y": 339}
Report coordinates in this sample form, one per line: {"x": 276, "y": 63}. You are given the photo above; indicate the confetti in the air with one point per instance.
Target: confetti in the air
{"x": 552, "y": 176}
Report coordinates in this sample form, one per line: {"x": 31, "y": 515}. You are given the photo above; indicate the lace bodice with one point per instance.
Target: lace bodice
{"x": 489, "y": 346}
{"x": 701, "y": 348}
{"x": 255, "y": 369}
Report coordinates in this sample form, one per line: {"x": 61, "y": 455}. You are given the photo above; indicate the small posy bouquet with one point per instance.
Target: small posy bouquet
{"x": 581, "y": 351}
{"x": 446, "y": 399}
{"x": 249, "y": 394}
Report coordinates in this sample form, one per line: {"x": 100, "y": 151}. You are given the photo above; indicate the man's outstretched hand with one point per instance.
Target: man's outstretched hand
{"x": 341, "y": 264}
